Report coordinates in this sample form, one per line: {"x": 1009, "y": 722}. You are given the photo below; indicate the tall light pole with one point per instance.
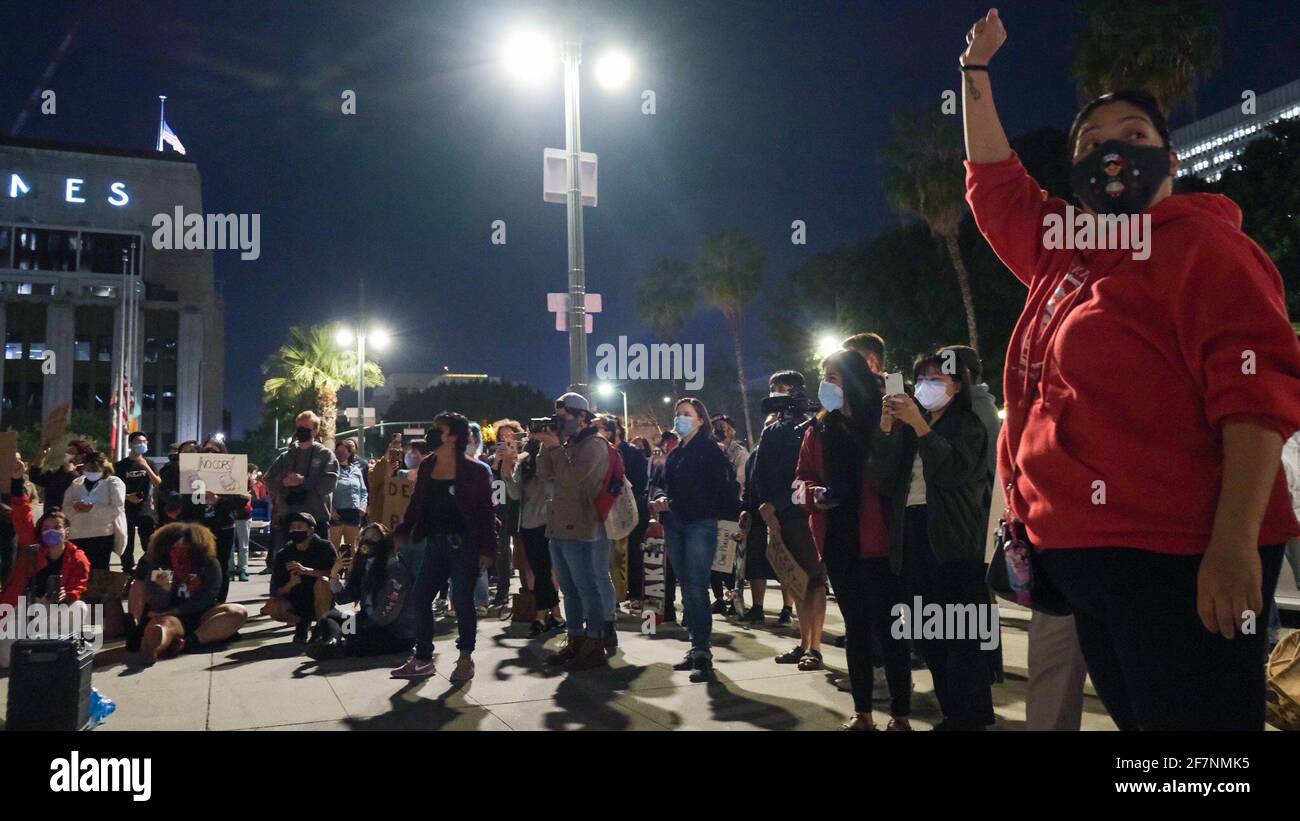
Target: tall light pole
{"x": 606, "y": 389}
{"x": 528, "y": 55}
{"x": 345, "y": 337}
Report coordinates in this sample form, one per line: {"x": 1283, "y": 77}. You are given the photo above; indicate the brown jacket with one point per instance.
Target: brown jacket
{"x": 577, "y": 470}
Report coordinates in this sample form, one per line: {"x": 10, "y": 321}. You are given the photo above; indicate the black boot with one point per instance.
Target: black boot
{"x": 703, "y": 669}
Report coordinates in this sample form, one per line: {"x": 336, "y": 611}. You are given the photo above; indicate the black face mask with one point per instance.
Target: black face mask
{"x": 1119, "y": 178}
{"x": 303, "y": 434}
{"x": 435, "y": 440}
{"x": 298, "y": 536}
{"x": 719, "y": 435}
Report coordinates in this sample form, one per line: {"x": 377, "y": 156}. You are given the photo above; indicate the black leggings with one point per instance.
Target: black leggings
{"x": 537, "y": 549}
{"x": 99, "y": 550}
{"x": 962, "y": 681}
{"x": 1154, "y": 664}
{"x": 866, "y": 591}
{"x": 369, "y": 639}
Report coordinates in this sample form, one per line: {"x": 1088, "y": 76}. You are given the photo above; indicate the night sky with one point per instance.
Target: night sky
{"x": 767, "y": 111}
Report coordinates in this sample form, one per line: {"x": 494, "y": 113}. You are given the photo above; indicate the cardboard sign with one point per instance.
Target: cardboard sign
{"x": 220, "y": 473}
{"x": 56, "y": 424}
{"x": 724, "y": 555}
{"x": 793, "y": 577}
{"x": 397, "y": 497}
{"x": 653, "y": 566}
{"x": 8, "y": 452}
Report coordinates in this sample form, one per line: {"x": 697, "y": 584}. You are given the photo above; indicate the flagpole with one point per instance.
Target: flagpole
{"x": 162, "y": 107}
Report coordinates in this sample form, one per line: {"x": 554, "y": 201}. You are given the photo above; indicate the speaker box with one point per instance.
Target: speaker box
{"x": 49, "y": 685}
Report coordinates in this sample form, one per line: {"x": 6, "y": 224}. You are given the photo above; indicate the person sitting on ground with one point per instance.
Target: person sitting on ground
{"x": 300, "y": 592}
{"x": 49, "y": 570}
{"x": 377, "y": 578}
{"x": 174, "y": 598}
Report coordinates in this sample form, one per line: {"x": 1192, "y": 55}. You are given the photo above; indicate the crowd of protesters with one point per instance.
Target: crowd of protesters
{"x": 1140, "y": 462}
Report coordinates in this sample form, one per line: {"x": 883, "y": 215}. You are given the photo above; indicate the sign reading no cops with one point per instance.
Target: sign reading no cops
{"x": 220, "y": 473}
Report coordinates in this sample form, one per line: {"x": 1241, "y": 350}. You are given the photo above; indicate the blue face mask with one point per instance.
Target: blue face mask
{"x": 141, "y": 448}
{"x": 410, "y": 460}
{"x": 684, "y": 426}
{"x": 52, "y": 538}
{"x": 831, "y": 396}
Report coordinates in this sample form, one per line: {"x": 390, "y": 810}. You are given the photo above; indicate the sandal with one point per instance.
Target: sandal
{"x": 792, "y": 657}
{"x": 812, "y": 660}
{"x": 860, "y": 724}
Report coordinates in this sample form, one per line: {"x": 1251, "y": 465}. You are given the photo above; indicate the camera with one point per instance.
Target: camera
{"x": 786, "y": 405}
{"x": 543, "y": 423}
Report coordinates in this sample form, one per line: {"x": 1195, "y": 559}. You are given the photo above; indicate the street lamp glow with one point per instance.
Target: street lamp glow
{"x": 605, "y": 389}
{"x": 613, "y": 69}
{"x": 344, "y": 338}
{"x": 667, "y": 399}
{"x": 529, "y": 56}
{"x": 827, "y": 344}
{"x": 378, "y": 338}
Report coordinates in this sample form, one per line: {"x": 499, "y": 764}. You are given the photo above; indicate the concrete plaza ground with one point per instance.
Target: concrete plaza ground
{"x": 264, "y": 682}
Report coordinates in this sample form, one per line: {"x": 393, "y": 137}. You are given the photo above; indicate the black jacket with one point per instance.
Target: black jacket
{"x": 698, "y": 483}
{"x": 771, "y": 476}
{"x": 954, "y": 461}
{"x": 637, "y": 469}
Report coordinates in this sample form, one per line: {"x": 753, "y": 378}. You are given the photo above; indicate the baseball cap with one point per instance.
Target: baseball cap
{"x": 574, "y": 401}
{"x": 300, "y": 517}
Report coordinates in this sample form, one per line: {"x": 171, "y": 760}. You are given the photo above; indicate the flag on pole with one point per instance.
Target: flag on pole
{"x": 168, "y": 137}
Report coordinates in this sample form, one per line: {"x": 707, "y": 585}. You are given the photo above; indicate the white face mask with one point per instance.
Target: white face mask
{"x": 93, "y": 475}
{"x": 932, "y": 394}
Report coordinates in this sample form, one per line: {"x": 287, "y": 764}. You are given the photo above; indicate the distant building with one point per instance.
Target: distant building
{"x": 1209, "y": 146}
{"x": 67, "y": 214}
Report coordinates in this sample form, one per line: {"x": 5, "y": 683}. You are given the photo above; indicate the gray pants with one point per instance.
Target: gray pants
{"x": 1054, "y": 697}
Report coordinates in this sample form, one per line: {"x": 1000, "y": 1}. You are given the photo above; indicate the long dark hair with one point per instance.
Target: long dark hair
{"x": 457, "y": 424}
{"x": 377, "y": 567}
{"x": 863, "y": 390}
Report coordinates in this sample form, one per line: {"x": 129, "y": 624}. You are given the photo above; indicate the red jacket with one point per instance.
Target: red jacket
{"x": 1123, "y": 371}
{"x": 74, "y": 574}
{"x": 873, "y": 530}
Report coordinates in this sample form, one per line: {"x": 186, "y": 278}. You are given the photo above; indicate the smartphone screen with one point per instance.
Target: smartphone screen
{"x": 893, "y": 384}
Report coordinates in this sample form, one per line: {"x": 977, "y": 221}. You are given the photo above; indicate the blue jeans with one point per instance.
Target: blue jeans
{"x": 583, "y": 569}
{"x": 690, "y": 549}
{"x": 446, "y": 556}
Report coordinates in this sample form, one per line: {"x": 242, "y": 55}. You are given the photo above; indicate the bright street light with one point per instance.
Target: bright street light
{"x": 344, "y": 337}
{"x": 827, "y": 344}
{"x": 379, "y": 338}
{"x": 613, "y": 69}
{"x": 529, "y": 56}
{"x": 605, "y": 389}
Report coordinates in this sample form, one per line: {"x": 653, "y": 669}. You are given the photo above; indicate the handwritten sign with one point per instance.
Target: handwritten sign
{"x": 8, "y": 452}
{"x": 724, "y": 556}
{"x": 793, "y": 577}
{"x": 221, "y": 473}
{"x": 653, "y": 566}
{"x": 55, "y": 424}
{"x": 397, "y": 497}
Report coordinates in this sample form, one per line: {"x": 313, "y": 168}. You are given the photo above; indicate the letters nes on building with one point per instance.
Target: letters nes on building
{"x": 67, "y": 214}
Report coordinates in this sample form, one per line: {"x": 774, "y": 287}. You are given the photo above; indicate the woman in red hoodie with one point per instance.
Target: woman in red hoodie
{"x": 1148, "y": 394}
{"x": 50, "y": 570}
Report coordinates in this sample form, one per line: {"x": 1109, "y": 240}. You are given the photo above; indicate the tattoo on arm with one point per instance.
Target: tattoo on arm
{"x": 970, "y": 86}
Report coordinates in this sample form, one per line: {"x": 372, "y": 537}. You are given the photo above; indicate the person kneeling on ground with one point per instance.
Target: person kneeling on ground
{"x": 174, "y": 597}
{"x": 300, "y": 592}
{"x": 380, "y": 580}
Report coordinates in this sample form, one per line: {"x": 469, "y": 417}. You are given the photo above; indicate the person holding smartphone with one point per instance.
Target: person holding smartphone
{"x": 847, "y": 517}
{"x": 140, "y": 480}
{"x": 929, "y": 456}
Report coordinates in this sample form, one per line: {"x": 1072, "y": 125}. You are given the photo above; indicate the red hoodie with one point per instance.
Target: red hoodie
{"x": 1123, "y": 371}
{"x": 74, "y": 573}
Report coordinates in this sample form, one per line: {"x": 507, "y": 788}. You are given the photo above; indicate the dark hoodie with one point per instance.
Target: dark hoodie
{"x": 1123, "y": 371}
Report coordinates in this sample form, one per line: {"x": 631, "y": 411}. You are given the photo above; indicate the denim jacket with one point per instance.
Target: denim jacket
{"x": 350, "y": 491}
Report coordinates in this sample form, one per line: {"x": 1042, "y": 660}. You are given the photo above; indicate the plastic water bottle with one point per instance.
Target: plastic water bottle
{"x": 100, "y": 708}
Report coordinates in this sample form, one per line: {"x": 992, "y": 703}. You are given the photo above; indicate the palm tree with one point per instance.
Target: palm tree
{"x": 1165, "y": 48}
{"x": 924, "y": 177}
{"x": 666, "y": 299}
{"x": 312, "y": 363}
{"x": 730, "y": 273}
